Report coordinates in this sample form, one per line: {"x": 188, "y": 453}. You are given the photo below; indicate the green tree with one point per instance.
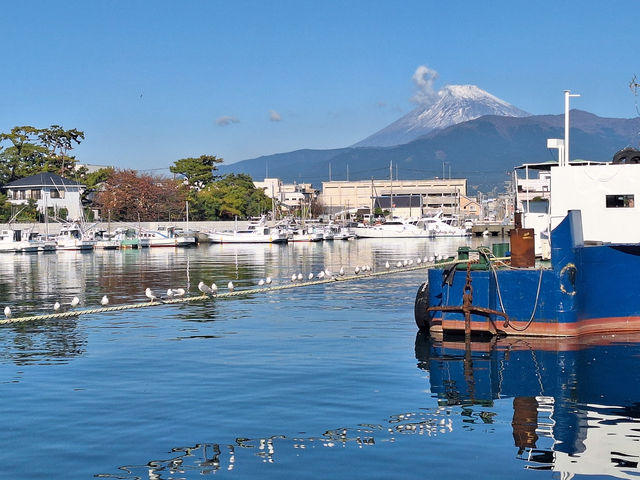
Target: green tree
{"x": 233, "y": 195}
{"x": 198, "y": 172}
{"x": 58, "y": 142}
{"x": 22, "y": 156}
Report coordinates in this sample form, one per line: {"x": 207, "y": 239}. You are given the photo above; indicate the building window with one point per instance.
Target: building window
{"x": 57, "y": 194}
{"x": 35, "y": 194}
{"x": 620, "y": 201}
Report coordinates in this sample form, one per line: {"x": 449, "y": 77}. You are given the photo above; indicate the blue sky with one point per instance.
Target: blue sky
{"x": 150, "y": 82}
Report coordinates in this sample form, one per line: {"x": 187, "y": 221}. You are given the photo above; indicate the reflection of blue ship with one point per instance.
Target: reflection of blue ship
{"x": 582, "y": 395}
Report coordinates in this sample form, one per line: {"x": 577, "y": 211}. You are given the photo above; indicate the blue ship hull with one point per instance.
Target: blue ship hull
{"x": 588, "y": 289}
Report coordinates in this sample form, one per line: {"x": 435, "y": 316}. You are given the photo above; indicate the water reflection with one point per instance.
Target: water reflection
{"x": 576, "y": 402}
{"x": 202, "y": 459}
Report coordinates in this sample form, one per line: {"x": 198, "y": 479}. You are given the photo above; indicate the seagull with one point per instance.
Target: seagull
{"x": 387, "y": 266}
{"x": 75, "y": 301}
{"x": 425, "y": 259}
{"x": 341, "y": 272}
{"x": 299, "y": 276}
{"x": 321, "y": 274}
{"x": 149, "y": 294}
{"x": 204, "y": 288}
{"x": 56, "y": 306}
{"x": 311, "y": 276}
{"x": 268, "y": 281}
{"x": 260, "y": 282}
{"x": 214, "y": 288}
{"x": 170, "y": 293}
{"x": 294, "y": 277}
{"x": 178, "y": 292}
{"x": 327, "y": 272}
{"x": 230, "y": 286}
{"x": 7, "y": 312}
{"x": 399, "y": 264}
{"x": 410, "y": 262}
{"x": 419, "y": 261}
{"x": 356, "y": 270}
{"x": 405, "y": 262}
{"x": 104, "y": 300}
{"x": 431, "y": 259}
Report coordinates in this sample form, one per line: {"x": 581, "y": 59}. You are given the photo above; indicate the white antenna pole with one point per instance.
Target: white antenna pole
{"x": 567, "y": 95}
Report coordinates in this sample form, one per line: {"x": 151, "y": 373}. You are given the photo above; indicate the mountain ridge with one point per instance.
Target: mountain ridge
{"x": 482, "y": 150}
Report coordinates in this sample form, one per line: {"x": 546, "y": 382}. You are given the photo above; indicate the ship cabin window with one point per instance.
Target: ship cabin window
{"x": 620, "y": 201}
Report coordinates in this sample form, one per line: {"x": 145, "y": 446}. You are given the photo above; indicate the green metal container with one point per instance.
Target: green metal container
{"x": 500, "y": 249}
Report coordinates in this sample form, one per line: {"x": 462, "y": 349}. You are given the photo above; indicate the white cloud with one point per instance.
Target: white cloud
{"x": 227, "y": 120}
{"x": 423, "y": 79}
{"x": 274, "y": 116}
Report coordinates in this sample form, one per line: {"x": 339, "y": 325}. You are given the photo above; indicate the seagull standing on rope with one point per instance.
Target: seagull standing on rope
{"x": 149, "y": 294}
{"x": 104, "y": 300}
{"x": 268, "y": 281}
{"x": 230, "y": 286}
{"x": 178, "y": 292}
{"x": 7, "y": 312}
{"x": 204, "y": 288}
{"x": 75, "y": 301}
{"x": 214, "y": 288}
{"x": 56, "y": 306}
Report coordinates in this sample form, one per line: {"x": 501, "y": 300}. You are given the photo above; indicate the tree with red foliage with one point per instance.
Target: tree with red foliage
{"x": 128, "y": 196}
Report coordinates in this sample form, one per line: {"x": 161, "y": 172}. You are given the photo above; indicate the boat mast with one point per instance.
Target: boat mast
{"x": 391, "y": 181}
{"x": 566, "y": 158}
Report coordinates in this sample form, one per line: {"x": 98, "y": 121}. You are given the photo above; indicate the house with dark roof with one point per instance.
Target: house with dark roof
{"x": 49, "y": 191}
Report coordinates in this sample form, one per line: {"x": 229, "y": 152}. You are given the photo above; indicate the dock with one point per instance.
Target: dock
{"x": 494, "y": 229}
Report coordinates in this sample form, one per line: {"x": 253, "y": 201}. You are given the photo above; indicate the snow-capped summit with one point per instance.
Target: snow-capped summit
{"x": 454, "y": 104}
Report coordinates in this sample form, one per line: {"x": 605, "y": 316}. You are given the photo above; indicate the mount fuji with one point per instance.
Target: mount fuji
{"x": 454, "y": 104}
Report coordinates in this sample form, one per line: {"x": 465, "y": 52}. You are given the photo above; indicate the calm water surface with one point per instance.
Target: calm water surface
{"x": 327, "y": 381}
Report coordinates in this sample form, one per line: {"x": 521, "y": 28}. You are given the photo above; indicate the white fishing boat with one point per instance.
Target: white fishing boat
{"x": 104, "y": 241}
{"x": 440, "y": 226}
{"x": 396, "y": 228}
{"x": 13, "y": 241}
{"x": 168, "y": 237}
{"x": 256, "y": 232}
{"x": 43, "y": 243}
{"x": 72, "y": 237}
{"x": 129, "y": 238}
{"x": 304, "y": 234}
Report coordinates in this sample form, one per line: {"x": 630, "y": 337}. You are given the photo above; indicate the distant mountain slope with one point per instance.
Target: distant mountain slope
{"x": 484, "y": 150}
{"x": 455, "y": 104}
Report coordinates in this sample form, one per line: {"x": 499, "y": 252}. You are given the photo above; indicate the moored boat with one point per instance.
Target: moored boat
{"x": 395, "y": 228}
{"x": 72, "y": 237}
{"x": 256, "y": 232}
{"x": 168, "y": 237}
{"x": 587, "y": 287}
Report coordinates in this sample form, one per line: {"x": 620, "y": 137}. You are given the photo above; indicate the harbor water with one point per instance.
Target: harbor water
{"x": 321, "y": 381}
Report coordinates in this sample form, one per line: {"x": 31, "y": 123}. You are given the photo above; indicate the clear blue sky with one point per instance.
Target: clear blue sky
{"x": 150, "y": 82}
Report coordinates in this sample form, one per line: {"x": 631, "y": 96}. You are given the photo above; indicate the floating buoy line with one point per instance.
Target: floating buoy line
{"x": 362, "y": 273}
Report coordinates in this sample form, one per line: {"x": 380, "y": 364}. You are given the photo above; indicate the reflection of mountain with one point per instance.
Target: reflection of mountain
{"x": 578, "y": 398}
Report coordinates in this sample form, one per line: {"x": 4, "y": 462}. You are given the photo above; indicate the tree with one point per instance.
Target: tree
{"x": 59, "y": 141}
{"x": 198, "y": 172}
{"x": 23, "y": 156}
{"x": 128, "y": 196}
{"x": 233, "y": 195}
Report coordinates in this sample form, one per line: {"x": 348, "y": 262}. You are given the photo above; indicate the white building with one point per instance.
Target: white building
{"x": 49, "y": 191}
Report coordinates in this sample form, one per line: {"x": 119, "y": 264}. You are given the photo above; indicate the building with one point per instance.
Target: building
{"x": 434, "y": 194}
{"x": 289, "y": 197}
{"x": 49, "y": 191}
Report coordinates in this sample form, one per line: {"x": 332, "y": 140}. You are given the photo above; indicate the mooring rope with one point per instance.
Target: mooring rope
{"x": 221, "y": 295}
{"x": 234, "y": 293}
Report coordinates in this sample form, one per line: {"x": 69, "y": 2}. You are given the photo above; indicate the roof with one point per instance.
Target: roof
{"x": 44, "y": 179}
{"x": 554, "y": 163}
